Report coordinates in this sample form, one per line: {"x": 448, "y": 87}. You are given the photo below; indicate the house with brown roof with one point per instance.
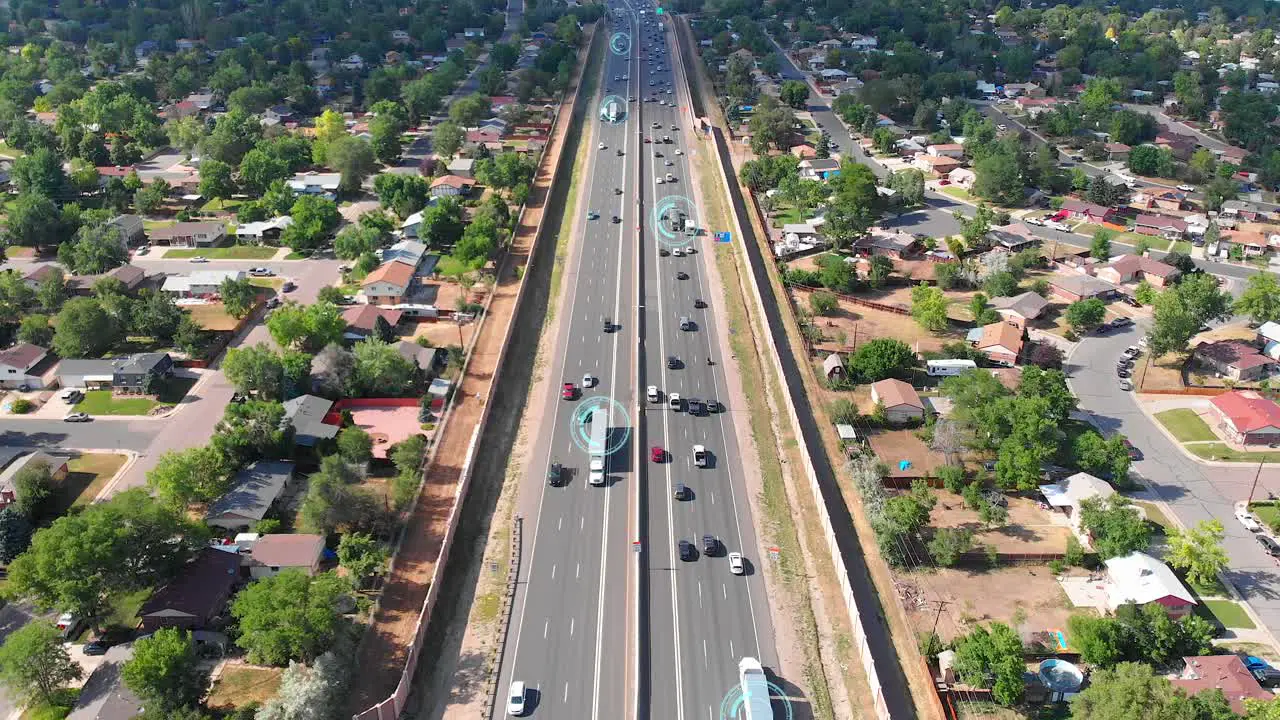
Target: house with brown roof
{"x": 196, "y": 596}
{"x": 1001, "y": 342}
{"x": 1235, "y": 359}
{"x": 451, "y": 186}
{"x": 37, "y": 276}
{"x": 388, "y": 284}
{"x": 1246, "y": 417}
{"x": 273, "y": 554}
{"x": 1169, "y": 228}
{"x": 132, "y": 276}
{"x": 1024, "y": 307}
{"x": 1117, "y": 151}
{"x": 365, "y": 321}
{"x": 24, "y": 365}
{"x": 1072, "y": 286}
{"x": 902, "y": 404}
{"x": 954, "y": 151}
{"x": 1136, "y": 268}
{"x": 934, "y": 165}
{"x": 1166, "y": 199}
{"x": 1227, "y": 673}
{"x": 1013, "y": 237}
{"x": 1089, "y": 212}
{"x": 1251, "y": 243}
{"x": 190, "y": 234}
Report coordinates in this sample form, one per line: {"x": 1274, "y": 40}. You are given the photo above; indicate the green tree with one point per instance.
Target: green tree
{"x": 1179, "y": 312}
{"x": 196, "y": 474}
{"x": 216, "y": 182}
{"x": 882, "y": 358}
{"x": 929, "y": 308}
{"x": 998, "y": 179}
{"x": 353, "y": 158}
{"x": 1100, "y": 249}
{"x": 447, "y": 138}
{"x": 82, "y": 562}
{"x": 981, "y": 310}
{"x": 15, "y": 533}
{"x": 948, "y": 544}
{"x": 314, "y": 219}
{"x": 40, "y": 173}
{"x": 33, "y": 221}
{"x": 1130, "y": 690}
{"x": 1198, "y": 551}
{"x": 380, "y": 369}
{"x": 1085, "y": 315}
{"x": 878, "y": 271}
{"x": 35, "y": 329}
{"x": 1115, "y": 526}
{"x": 34, "y": 663}
{"x": 354, "y": 445}
{"x": 794, "y": 93}
{"x": 385, "y": 139}
{"x": 470, "y": 110}
{"x": 84, "y": 329}
{"x": 33, "y": 486}
{"x": 909, "y": 184}
{"x": 289, "y": 616}
{"x": 166, "y": 671}
{"x": 94, "y": 250}
{"x": 992, "y": 657}
{"x": 823, "y": 303}
{"x": 251, "y": 430}
{"x": 238, "y": 296}
{"x": 259, "y": 168}
{"x": 362, "y": 555}
{"x": 1260, "y": 299}
{"x": 255, "y": 370}
{"x": 151, "y": 198}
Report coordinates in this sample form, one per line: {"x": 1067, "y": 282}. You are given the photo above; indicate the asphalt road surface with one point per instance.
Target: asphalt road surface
{"x": 568, "y": 634}
{"x": 703, "y": 619}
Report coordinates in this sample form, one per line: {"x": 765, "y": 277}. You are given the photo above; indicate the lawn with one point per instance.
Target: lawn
{"x": 9, "y": 151}
{"x": 101, "y": 402}
{"x": 788, "y": 217}
{"x": 231, "y": 252}
{"x": 86, "y": 476}
{"x": 1267, "y": 512}
{"x": 1220, "y": 451}
{"x": 1229, "y": 613}
{"x": 1156, "y": 515}
{"x": 1183, "y": 247}
{"x": 1186, "y": 425}
{"x": 959, "y": 193}
{"x": 241, "y": 685}
{"x": 216, "y": 205}
{"x": 271, "y": 283}
{"x": 124, "y": 610}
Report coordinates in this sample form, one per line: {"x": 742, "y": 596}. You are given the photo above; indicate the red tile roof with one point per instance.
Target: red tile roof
{"x": 1225, "y": 672}
{"x": 1248, "y": 410}
{"x": 453, "y": 181}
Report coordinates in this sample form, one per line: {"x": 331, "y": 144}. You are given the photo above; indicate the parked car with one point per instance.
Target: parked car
{"x": 1121, "y": 322}
{"x": 199, "y": 259}
{"x": 76, "y": 417}
{"x": 261, "y": 272}
{"x": 95, "y": 648}
{"x": 1269, "y": 544}
{"x": 1246, "y": 518}
{"x": 1134, "y": 453}
{"x": 1186, "y": 188}
{"x": 1126, "y": 385}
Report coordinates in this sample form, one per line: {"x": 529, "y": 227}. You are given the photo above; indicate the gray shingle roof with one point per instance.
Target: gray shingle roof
{"x": 253, "y": 491}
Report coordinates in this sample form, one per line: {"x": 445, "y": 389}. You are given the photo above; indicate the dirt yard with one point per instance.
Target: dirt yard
{"x": 1029, "y": 529}
{"x": 1026, "y": 597}
{"x": 443, "y": 333}
{"x": 852, "y": 324}
{"x": 894, "y": 446}
{"x": 212, "y": 317}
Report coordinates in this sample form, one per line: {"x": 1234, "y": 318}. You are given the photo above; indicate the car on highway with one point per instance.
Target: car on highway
{"x": 1246, "y": 518}
{"x": 700, "y": 456}
{"x": 675, "y": 402}
{"x": 685, "y": 323}
{"x": 602, "y": 146}
{"x": 554, "y": 474}
{"x": 687, "y": 552}
{"x": 657, "y": 454}
{"x": 659, "y": 180}
{"x": 663, "y": 252}
{"x": 679, "y": 492}
{"x": 1186, "y": 188}
{"x": 694, "y": 406}
{"x": 652, "y": 394}
{"x": 617, "y": 191}
{"x": 616, "y": 220}
{"x": 710, "y": 545}
{"x": 568, "y": 391}
{"x": 621, "y": 152}
{"x": 588, "y": 380}
{"x": 76, "y": 417}
{"x": 608, "y": 325}
{"x": 679, "y": 151}
{"x": 682, "y": 275}
{"x": 678, "y": 252}
{"x": 699, "y": 303}
{"x": 673, "y": 362}
{"x": 199, "y": 259}
{"x": 1269, "y": 544}
{"x": 737, "y": 565}
{"x": 671, "y": 178}
{"x": 515, "y": 699}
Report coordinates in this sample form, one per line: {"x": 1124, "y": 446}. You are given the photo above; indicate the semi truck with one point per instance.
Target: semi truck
{"x": 598, "y": 429}
{"x": 755, "y": 691}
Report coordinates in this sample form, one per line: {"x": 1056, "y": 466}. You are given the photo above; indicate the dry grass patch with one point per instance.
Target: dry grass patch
{"x": 242, "y": 685}
{"x": 212, "y": 317}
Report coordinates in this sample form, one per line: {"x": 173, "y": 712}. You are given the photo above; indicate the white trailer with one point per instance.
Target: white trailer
{"x": 944, "y": 368}
{"x": 598, "y": 432}
{"x": 755, "y": 691}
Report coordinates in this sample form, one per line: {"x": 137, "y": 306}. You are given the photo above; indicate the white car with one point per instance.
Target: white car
{"x": 199, "y": 259}
{"x": 679, "y": 151}
{"x": 588, "y": 380}
{"x": 737, "y": 565}
{"x": 76, "y": 417}
{"x": 515, "y": 699}
{"x": 602, "y": 146}
{"x": 1002, "y": 126}
{"x": 1247, "y": 518}
{"x": 1033, "y": 221}
{"x": 700, "y": 456}
{"x": 652, "y": 393}
{"x": 674, "y": 401}
{"x": 678, "y": 252}
{"x": 1187, "y": 188}
{"x": 659, "y": 180}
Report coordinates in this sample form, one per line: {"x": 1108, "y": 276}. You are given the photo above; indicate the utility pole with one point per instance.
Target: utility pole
{"x": 1254, "y": 486}
{"x": 941, "y": 604}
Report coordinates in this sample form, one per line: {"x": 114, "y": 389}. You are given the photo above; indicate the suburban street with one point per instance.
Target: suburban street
{"x": 1193, "y": 490}
{"x": 568, "y": 633}
{"x": 702, "y": 618}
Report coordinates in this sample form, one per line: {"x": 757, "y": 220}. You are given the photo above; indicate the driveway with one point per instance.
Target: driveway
{"x": 1191, "y": 490}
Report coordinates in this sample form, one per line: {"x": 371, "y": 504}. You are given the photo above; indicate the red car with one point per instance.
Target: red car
{"x": 657, "y": 454}
{"x": 569, "y": 391}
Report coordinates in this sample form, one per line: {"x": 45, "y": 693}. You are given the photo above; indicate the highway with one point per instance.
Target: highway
{"x": 568, "y": 634}
{"x": 702, "y": 618}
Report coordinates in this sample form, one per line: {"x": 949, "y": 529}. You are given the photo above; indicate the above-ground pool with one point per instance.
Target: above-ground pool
{"x": 1060, "y": 675}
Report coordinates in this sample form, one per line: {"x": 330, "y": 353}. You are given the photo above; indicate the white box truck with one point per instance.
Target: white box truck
{"x": 755, "y": 691}
{"x": 598, "y": 432}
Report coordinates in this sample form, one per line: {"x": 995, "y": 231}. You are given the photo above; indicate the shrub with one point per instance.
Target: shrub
{"x": 22, "y": 406}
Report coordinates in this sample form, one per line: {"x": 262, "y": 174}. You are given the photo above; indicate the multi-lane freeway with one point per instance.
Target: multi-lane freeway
{"x": 631, "y": 280}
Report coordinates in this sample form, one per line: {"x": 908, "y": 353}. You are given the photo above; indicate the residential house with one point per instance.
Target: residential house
{"x": 833, "y": 367}
{"x": 817, "y": 63}
{"x": 196, "y": 596}
{"x": 139, "y": 374}
{"x": 9, "y": 488}
{"x": 427, "y": 360}
{"x": 1136, "y": 268}
{"x": 1141, "y": 579}
{"x": 863, "y": 43}
{"x": 1067, "y": 495}
{"x": 366, "y": 321}
{"x": 131, "y": 276}
{"x": 1013, "y": 237}
{"x": 1246, "y": 417}
{"x": 901, "y": 402}
{"x": 409, "y": 228}
{"x": 963, "y": 178}
{"x": 190, "y": 234}
{"x": 201, "y": 283}
{"x": 893, "y": 244}
{"x": 1117, "y": 152}
{"x": 104, "y": 695}
{"x": 1000, "y": 341}
{"x": 1166, "y": 199}
{"x": 253, "y": 491}
{"x": 277, "y": 114}
{"x": 1233, "y": 155}
{"x": 131, "y": 228}
{"x": 1252, "y": 244}
{"x": 1235, "y": 359}
{"x": 1242, "y": 210}
{"x": 409, "y": 252}
{"x": 388, "y": 284}
{"x": 314, "y": 183}
{"x": 954, "y": 151}
{"x": 804, "y": 151}
{"x": 1014, "y": 90}
{"x": 451, "y": 186}
{"x": 819, "y": 169}
{"x": 42, "y": 273}
{"x": 273, "y": 554}
{"x": 933, "y": 165}
{"x": 23, "y": 365}
{"x": 1022, "y": 308}
{"x": 1180, "y": 146}
{"x": 1034, "y": 106}
{"x": 463, "y": 167}
{"x": 352, "y": 62}
{"x": 1268, "y": 333}
{"x": 1072, "y": 287}
{"x": 307, "y": 415}
{"x": 1169, "y": 228}
{"x": 1089, "y": 212}
{"x": 1227, "y": 673}
{"x": 473, "y": 33}
{"x": 263, "y": 231}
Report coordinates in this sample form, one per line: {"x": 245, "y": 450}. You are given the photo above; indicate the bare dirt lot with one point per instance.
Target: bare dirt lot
{"x": 851, "y": 325}
{"x": 894, "y": 446}
{"x": 1029, "y": 529}
{"x": 443, "y": 333}
{"x": 1025, "y": 593}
